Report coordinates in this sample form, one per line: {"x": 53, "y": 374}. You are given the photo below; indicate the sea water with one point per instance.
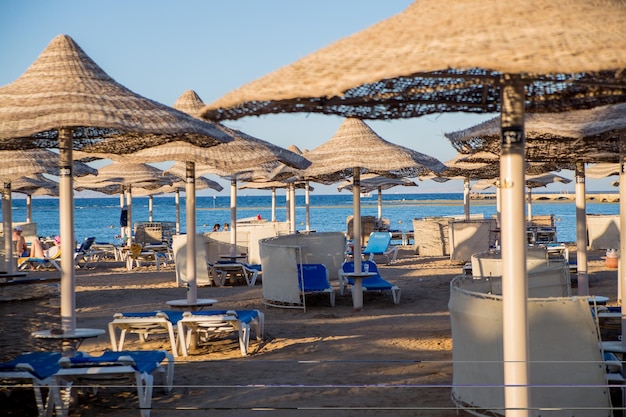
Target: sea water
{"x": 100, "y": 217}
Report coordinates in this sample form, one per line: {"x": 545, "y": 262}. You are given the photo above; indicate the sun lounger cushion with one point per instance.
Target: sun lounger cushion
{"x": 315, "y": 279}
{"x": 373, "y": 283}
{"x": 41, "y": 364}
{"x": 144, "y": 361}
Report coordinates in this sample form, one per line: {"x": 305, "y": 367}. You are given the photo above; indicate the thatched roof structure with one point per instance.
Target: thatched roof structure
{"x": 589, "y": 135}
{"x": 439, "y": 56}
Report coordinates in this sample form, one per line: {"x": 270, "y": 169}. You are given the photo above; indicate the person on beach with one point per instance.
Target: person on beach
{"x": 21, "y": 248}
{"x": 226, "y": 227}
{"x": 216, "y": 227}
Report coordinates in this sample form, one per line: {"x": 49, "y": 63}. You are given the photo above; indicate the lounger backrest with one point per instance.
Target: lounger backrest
{"x": 314, "y": 277}
{"x": 86, "y": 245}
{"x": 378, "y": 242}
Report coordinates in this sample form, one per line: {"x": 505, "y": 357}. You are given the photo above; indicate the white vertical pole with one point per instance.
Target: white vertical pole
{"x": 292, "y": 208}
{"x": 273, "y": 204}
{"x": 529, "y": 204}
{"x": 150, "y": 207}
{"x": 66, "y": 225}
{"x": 380, "y": 207}
{"x": 514, "y": 284}
{"x": 29, "y": 208}
{"x": 357, "y": 289}
{"x": 466, "y": 197}
{"x": 129, "y": 222}
{"x": 288, "y": 207}
{"x": 233, "y": 217}
{"x": 307, "y": 203}
{"x": 190, "y": 211}
{"x": 177, "y": 200}
{"x": 7, "y": 226}
{"x": 581, "y": 229}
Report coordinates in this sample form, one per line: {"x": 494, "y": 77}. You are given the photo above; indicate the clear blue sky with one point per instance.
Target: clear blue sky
{"x": 161, "y": 48}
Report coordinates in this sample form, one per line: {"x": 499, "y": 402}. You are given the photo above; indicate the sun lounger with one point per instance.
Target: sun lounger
{"x": 144, "y": 324}
{"x": 113, "y": 369}
{"x": 379, "y": 243}
{"x": 233, "y": 270}
{"x": 374, "y": 283}
{"x": 206, "y": 324}
{"x": 313, "y": 278}
{"x": 34, "y": 369}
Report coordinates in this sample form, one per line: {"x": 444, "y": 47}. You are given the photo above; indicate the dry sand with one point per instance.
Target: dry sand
{"x": 384, "y": 360}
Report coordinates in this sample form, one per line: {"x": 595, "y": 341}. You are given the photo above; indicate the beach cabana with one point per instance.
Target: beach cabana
{"x": 474, "y": 56}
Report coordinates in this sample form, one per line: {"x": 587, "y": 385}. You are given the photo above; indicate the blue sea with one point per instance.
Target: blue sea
{"x": 100, "y": 217}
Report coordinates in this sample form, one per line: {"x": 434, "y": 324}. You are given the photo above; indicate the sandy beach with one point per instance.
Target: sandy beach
{"x": 384, "y": 360}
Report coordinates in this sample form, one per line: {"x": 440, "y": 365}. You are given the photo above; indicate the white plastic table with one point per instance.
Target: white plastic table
{"x": 70, "y": 340}
{"x": 183, "y": 304}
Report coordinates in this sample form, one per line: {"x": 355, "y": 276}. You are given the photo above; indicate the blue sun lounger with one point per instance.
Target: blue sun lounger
{"x": 113, "y": 369}
{"x": 34, "y": 369}
{"x": 379, "y": 243}
{"x": 374, "y": 283}
{"x": 313, "y": 278}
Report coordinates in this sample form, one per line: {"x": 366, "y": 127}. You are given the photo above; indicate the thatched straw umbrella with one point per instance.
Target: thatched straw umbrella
{"x": 243, "y": 154}
{"x": 32, "y": 185}
{"x": 65, "y": 100}
{"x": 565, "y": 140}
{"x": 355, "y": 149}
{"x": 473, "y": 56}
{"x": 122, "y": 178}
{"x": 372, "y": 182}
{"x": 18, "y": 163}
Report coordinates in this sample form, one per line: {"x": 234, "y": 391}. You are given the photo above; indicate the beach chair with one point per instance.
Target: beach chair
{"x": 137, "y": 255}
{"x": 373, "y": 283}
{"x": 313, "y": 278}
{"x": 379, "y": 243}
{"x": 32, "y": 369}
{"x": 205, "y": 325}
{"x": 112, "y": 369}
{"x": 144, "y": 324}
{"x": 50, "y": 260}
{"x": 233, "y": 270}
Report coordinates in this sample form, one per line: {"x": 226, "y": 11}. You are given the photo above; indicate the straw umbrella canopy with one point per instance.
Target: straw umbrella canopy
{"x": 119, "y": 177}
{"x": 65, "y": 100}
{"x": 371, "y": 182}
{"x": 31, "y": 185}
{"x": 566, "y": 140}
{"x": 355, "y": 149}
{"x": 16, "y": 164}
{"x": 245, "y": 153}
{"x": 472, "y": 56}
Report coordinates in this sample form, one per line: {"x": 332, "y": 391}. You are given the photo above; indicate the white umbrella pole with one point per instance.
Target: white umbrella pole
{"x": 29, "y": 208}
{"x": 129, "y": 222}
{"x": 380, "y": 207}
{"x": 307, "y": 203}
{"x": 529, "y": 204}
{"x": 177, "y": 200}
{"x": 466, "y": 197}
{"x": 190, "y": 207}
{"x": 621, "y": 270}
{"x": 150, "y": 207}
{"x": 233, "y": 217}
{"x": 292, "y": 208}
{"x": 288, "y": 207}
{"x": 7, "y": 225}
{"x": 514, "y": 283}
{"x": 357, "y": 288}
{"x": 273, "y": 204}
{"x": 66, "y": 223}
{"x": 581, "y": 230}
{"x": 122, "y": 201}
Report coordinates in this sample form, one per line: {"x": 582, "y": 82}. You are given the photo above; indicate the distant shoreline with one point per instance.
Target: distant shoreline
{"x": 595, "y": 197}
